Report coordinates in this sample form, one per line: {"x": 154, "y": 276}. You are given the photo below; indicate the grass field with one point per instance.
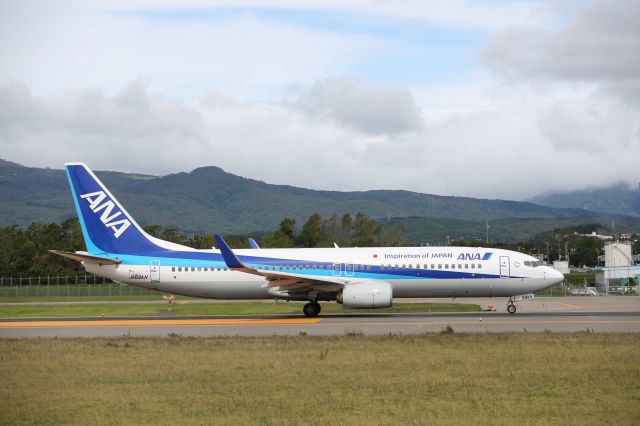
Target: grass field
{"x": 214, "y": 309}
{"x": 563, "y": 379}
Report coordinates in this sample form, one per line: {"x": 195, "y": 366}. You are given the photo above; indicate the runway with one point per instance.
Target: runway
{"x": 598, "y": 314}
{"x": 611, "y": 314}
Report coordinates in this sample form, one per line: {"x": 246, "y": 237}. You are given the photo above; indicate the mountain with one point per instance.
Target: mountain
{"x": 617, "y": 199}
{"x": 421, "y": 230}
{"x": 208, "y": 199}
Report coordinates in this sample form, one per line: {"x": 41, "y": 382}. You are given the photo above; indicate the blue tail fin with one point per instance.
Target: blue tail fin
{"x": 106, "y": 225}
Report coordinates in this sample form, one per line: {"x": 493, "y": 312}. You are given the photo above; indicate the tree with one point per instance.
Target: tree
{"x": 283, "y": 237}
{"x": 586, "y": 251}
{"x": 313, "y": 233}
{"x": 366, "y": 231}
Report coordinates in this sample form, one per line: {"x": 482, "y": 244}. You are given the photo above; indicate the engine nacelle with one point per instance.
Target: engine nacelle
{"x": 371, "y": 295}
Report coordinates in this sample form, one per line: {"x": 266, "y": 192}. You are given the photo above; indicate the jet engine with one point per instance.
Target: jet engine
{"x": 370, "y": 295}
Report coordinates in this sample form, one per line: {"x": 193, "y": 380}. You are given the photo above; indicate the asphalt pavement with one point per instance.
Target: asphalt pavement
{"x": 567, "y": 314}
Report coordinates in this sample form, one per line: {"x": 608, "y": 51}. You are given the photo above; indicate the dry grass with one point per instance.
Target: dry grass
{"x": 579, "y": 378}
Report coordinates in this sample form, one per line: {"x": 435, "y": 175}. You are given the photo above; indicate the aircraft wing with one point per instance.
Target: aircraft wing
{"x": 285, "y": 281}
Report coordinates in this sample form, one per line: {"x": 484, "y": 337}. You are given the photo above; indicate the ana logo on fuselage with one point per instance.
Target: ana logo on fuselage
{"x": 474, "y": 256}
{"x": 97, "y": 203}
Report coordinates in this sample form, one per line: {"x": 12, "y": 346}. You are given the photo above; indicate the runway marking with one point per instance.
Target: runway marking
{"x": 137, "y": 323}
{"x": 479, "y": 322}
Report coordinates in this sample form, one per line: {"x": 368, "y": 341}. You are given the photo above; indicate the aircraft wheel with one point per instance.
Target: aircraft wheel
{"x": 311, "y": 309}
{"x": 511, "y": 308}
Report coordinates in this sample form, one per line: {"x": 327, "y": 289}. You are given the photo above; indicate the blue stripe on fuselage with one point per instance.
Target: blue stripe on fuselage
{"x": 215, "y": 260}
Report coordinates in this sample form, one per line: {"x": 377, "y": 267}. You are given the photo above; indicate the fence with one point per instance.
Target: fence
{"x": 85, "y": 285}
{"x": 89, "y": 285}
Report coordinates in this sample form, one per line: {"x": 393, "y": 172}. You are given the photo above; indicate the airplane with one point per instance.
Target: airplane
{"x": 358, "y": 278}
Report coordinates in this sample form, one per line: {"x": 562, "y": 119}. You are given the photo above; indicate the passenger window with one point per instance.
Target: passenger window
{"x": 410, "y": 266}
{"x": 368, "y": 267}
{"x": 473, "y": 266}
{"x": 479, "y": 265}
{"x": 459, "y": 266}
{"x": 433, "y": 266}
{"x": 173, "y": 269}
{"x": 446, "y": 266}
{"x": 453, "y": 266}
{"x": 193, "y": 269}
{"x": 179, "y": 268}
{"x": 466, "y": 266}
{"x": 439, "y": 265}
{"x": 225, "y": 268}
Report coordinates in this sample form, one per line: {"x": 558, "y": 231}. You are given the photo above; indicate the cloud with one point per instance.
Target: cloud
{"x": 137, "y": 87}
{"x": 373, "y": 110}
{"x": 104, "y": 46}
{"x": 598, "y": 45}
{"x": 496, "y": 153}
{"x": 87, "y": 125}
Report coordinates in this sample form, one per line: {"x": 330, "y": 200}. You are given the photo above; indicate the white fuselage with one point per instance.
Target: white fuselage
{"x": 411, "y": 271}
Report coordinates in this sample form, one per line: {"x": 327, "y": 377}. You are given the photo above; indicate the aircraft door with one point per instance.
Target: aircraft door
{"x": 336, "y": 269}
{"x": 154, "y": 271}
{"x": 504, "y": 267}
{"x": 348, "y": 269}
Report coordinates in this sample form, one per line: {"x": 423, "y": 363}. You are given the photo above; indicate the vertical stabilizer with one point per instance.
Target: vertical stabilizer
{"x": 106, "y": 225}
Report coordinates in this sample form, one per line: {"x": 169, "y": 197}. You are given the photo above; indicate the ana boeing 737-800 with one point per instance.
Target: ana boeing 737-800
{"x": 358, "y": 278}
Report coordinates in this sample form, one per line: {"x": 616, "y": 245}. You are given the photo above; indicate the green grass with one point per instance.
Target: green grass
{"x": 214, "y": 309}
{"x": 546, "y": 378}
{"x": 74, "y": 290}
{"x": 157, "y": 296}
{"x": 578, "y": 279}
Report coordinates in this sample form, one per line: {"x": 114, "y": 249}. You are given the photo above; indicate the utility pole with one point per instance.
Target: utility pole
{"x": 547, "y": 243}
{"x": 487, "y": 232}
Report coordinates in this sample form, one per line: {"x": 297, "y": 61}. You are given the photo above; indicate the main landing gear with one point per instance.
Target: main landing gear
{"x": 511, "y": 308}
{"x": 311, "y": 309}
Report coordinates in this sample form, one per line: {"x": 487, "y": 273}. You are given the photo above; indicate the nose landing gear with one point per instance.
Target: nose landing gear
{"x": 511, "y": 308}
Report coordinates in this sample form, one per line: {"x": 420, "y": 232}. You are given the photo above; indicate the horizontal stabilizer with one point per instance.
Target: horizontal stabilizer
{"x": 80, "y": 257}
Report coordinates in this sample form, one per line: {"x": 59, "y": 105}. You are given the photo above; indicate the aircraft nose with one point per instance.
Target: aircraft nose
{"x": 555, "y": 276}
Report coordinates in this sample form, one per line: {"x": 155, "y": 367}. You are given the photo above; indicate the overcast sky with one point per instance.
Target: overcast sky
{"x": 490, "y": 98}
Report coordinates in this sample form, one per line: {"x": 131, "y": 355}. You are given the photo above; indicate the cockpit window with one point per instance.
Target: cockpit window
{"x": 533, "y": 264}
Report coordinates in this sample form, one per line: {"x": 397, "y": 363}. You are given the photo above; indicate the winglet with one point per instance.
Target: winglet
{"x": 253, "y": 244}
{"x": 228, "y": 255}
